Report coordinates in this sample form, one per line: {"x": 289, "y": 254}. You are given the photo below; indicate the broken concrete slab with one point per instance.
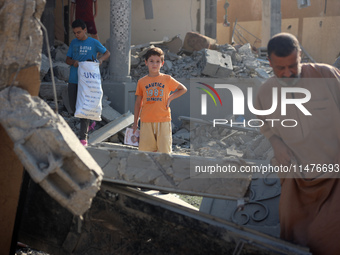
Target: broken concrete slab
{"x": 61, "y": 70}
{"x": 111, "y": 128}
{"x": 174, "y": 45}
{"x": 49, "y": 150}
{"x": 46, "y": 90}
{"x": 108, "y": 113}
{"x": 216, "y": 64}
{"x": 170, "y": 172}
{"x": 61, "y": 52}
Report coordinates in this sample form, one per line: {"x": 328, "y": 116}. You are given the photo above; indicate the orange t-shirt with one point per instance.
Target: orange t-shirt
{"x": 155, "y": 92}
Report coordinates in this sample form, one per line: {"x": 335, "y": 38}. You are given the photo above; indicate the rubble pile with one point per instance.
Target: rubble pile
{"x": 218, "y": 142}
{"x": 226, "y": 59}
{"x": 182, "y": 61}
{"x": 222, "y": 61}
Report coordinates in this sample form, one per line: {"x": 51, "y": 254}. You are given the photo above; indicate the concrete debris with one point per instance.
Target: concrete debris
{"x": 108, "y": 113}
{"x": 111, "y": 128}
{"x": 199, "y": 58}
{"x": 46, "y": 90}
{"x": 49, "y": 150}
{"x": 195, "y": 42}
{"x": 174, "y": 45}
{"x": 216, "y": 64}
{"x": 171, "y": 173}
{"x": 61, "y": 71}
{"x": 45, "y": 66}
{"x": 207, "y": 141}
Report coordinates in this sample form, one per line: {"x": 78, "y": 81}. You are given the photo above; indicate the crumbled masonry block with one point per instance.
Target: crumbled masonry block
{"x": 171, "y": 172}
{"x": 111, "y": 128}
{"x": 108, "y": 113}
{"x": 61, "y": 70}
{"x": 194, "y": 42}
{"x": 216, "y": 64}
{"x": 49, "y": 150}
{"x": 46, "y": 90}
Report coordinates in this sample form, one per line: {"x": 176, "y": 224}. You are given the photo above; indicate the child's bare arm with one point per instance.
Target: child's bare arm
{"x": 105, "y": 56}
{"x": 95, "y": 9}
{"x": 138, "y": 105}
{"x": 72, "y": 62}
{"x": 181, "y": 89}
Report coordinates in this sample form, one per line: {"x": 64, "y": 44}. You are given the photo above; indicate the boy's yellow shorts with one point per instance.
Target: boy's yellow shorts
{"x": 155, "y": 137}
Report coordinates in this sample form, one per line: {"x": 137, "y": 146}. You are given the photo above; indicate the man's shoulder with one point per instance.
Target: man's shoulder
{"x": 317, "y": 69}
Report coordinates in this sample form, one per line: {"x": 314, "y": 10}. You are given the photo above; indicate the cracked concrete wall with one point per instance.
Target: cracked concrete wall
{"x": 171, "y": 173}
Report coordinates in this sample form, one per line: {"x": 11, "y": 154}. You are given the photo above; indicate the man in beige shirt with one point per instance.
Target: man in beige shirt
{"x": 306, "y": 137}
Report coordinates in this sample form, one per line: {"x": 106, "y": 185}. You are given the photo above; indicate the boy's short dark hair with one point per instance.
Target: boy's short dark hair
{"x": 282, "y": 45}
{"x": 79, "y": 23}
{"x": 154, "y": 52}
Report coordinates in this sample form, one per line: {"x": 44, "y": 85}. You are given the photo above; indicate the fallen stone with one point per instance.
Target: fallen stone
{"x": 262, "y": 73}
{"x": 182, "y": 134}
{"x": 135, "y": 60}
{"x": 46, "y": 90}
{"x": 49, "y": 150}
{"x": 246, "y": 50}
{"x": 251, "y": 64}
{"x": 171, "y": 172}
{"x": 172, "y": 56}
{"x": 61, "y": 70}
{"x": 178, "y": 141}
{"x": 60, "y": 53}
{"x": 45, "y": 66}
{"x": 216, "y": 64}
{"x": 195, "y": 42}
{"x": 108, "y": 113}
{"x": 174, "y": 45}
{"x": 168, "y": 65}
{"x": 111, "y": 128}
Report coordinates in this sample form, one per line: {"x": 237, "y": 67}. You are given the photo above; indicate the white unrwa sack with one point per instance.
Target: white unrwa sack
{"x": 90, "y": 92}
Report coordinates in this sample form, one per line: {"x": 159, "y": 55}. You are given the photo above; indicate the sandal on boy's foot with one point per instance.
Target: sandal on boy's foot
{"x": 83, "y": 142}
{"x": 91, "y": 127}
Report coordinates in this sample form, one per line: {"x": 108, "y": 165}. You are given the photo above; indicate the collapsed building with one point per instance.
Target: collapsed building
{"x": 120, "y": 218}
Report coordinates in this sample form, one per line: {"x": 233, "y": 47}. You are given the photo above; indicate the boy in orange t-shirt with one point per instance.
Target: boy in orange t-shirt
{"x": 152, "y": 105}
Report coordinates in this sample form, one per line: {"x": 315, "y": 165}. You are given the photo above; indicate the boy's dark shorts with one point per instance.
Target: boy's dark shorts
{"x": 91, "y": 27}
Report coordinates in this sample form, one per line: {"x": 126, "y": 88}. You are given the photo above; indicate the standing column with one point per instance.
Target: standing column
{"x": 210, "y": 18}
{"x": 120, "y": 40}
{"x": 120, "y": 88}
{"x": 271, "y": 19}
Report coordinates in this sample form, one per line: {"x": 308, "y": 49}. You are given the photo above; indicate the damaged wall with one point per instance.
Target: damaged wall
{"x": 315, "y": 26}
{"x": 170, "y": 18}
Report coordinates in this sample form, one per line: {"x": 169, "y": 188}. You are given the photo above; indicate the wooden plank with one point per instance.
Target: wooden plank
{"x": 111, "y": 128}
